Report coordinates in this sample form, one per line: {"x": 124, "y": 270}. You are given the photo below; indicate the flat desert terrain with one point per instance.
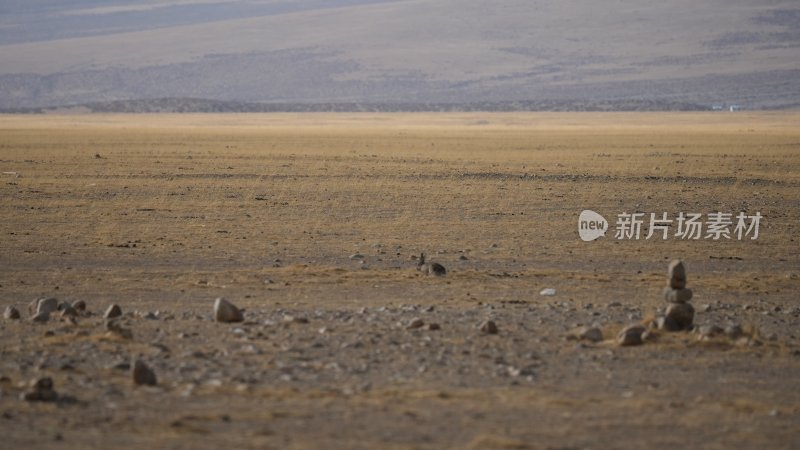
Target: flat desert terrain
{"x": 312, "y": 223}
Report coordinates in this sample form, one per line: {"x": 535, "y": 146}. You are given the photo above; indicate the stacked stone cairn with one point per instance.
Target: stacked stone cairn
{"x": 680, "y": 313}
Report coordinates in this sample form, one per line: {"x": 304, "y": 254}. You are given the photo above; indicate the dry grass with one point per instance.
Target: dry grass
{"x": 168, "y": 212}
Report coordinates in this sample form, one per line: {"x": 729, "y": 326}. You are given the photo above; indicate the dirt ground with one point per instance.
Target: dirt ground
{"x": 311, "y": 223}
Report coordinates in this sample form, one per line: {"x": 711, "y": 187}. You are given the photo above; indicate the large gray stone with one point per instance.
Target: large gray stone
{"x": 47, "y": 305}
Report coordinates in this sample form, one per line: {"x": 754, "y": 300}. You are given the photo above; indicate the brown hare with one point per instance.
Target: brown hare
{"x": 430, "y": 268}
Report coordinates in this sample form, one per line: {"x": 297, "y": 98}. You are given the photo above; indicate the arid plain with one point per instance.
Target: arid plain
{"x": 311, "y": 222}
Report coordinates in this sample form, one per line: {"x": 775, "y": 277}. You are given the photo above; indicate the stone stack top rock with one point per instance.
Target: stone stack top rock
{"x": 676, "y": 290}
{"x": 677, "y": 274}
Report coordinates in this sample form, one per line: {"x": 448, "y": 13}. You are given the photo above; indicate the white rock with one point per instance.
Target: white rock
{"x": 11, "y": 313}
{"x": 226, "y": 312}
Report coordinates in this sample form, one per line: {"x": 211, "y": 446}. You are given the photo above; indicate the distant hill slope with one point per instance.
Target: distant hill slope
{"x": 590, "y": 54}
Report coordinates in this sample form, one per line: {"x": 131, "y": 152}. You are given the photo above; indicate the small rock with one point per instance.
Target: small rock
{"x": 356, "y": 256}
{"x": 41, "y": 317}
{"x": 80, "y": 306}
{"x": 591, "y": 334}
{"x": 226, "y": 312}
{"x": 433, "y": 327}
{"x": 293, "y": 319}
{"x": 631, "y": 335}
{"x": 682, "y": 314}
{"x": 121, "y": 366}
{"x": 47, "y": 305}
{"x": 677, "y": 295}
{"x": 415, "y": 323}
{"x": 677, "y": 274}
{"x": 64, "y": 305}
{"x": 113, "y": 327}
{"x": 33, "y": 306}
{"x": 143, "y": 375}
{"x": 709, "y": 331}
{"x": 68, "y": 311}
{"x": 11, "y": 313}
{"x": 112, "y": 311}
{"x": 41, "y": 391}
{"x": 488, "y": 327}
{"x": 548, "y": 292}
{"x": 734, "y": 331}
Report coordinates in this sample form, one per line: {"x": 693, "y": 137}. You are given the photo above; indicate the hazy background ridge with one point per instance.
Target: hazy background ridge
{"x": 577, "y": 54}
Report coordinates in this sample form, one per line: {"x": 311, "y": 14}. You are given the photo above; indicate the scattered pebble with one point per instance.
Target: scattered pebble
{"x": 79, "y": 306}
{"x": 549, "y": 292}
